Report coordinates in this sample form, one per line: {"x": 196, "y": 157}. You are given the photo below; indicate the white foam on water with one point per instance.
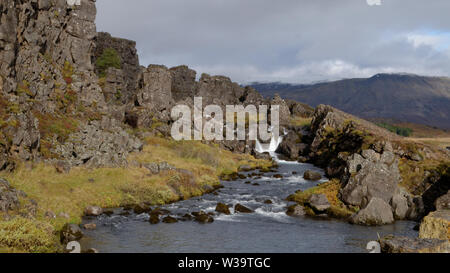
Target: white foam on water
{"x": 278, "y": 216}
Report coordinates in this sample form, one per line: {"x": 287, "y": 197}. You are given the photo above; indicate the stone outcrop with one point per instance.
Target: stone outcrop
{"x": 9, "y": 197}
{"x": 285, "y": 113}
{"x": 436, "y": 226}
{"x": 376, "y": 213}
{"x": 98, "y": 144}
{"x": 391, "y": 244}
{"x": 129, "y": 74}
{"x": 46, "y": 70}
{"x": 184, "y": 83}
{"x": 371, "y": 175}
{"x": 319, "y": 203}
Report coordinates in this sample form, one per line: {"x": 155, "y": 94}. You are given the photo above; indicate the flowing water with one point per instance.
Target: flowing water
{"x": 268, "y": 230}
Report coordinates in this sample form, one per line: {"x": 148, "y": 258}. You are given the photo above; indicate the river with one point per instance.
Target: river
{"x": 268, "y": 230}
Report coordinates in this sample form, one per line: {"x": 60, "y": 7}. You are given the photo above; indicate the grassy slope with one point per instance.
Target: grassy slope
{"x": 112, "y": 187}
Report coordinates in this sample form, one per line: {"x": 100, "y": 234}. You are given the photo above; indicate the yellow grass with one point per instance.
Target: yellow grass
{"x": 442, "y": 142}
{"x": 300, "y": 121}
{"x": 331, "y": 190}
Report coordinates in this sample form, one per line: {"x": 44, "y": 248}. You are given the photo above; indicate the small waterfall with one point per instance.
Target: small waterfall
{"x": 269, "y": 148}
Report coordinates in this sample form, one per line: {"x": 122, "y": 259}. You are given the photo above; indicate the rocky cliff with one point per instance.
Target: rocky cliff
{"x": 71, "y": 96}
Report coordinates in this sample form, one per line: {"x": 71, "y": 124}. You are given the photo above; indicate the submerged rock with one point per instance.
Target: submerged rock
{"x": 169, "y": 220}
{"x": 377, "y": 212}
{"x": 154, "y": 219}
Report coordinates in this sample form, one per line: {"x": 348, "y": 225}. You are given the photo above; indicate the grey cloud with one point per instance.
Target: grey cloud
{"x": 289, "y": 40}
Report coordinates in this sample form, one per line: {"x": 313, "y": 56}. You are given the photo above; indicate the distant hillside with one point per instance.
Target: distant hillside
{"x": 403, "y": 97}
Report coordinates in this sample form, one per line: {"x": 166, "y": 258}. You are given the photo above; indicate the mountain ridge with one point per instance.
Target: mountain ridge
{"x": 405, "y": 97}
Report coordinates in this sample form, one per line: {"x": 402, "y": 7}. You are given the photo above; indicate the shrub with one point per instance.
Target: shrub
{"x": 109, "y": 58}
{"x": 401, "y": 131}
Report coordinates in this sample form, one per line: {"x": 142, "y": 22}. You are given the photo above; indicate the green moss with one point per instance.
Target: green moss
{"x": 109, "y": 58}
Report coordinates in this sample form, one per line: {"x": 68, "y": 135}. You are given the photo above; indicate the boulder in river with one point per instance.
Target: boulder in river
{"x": 312, "y": 176}
{"x": 296, "y": 211}
{"x": 278, "y": 176}
{"x": 242, "y": 209}
{"x": 268, "y": 202}
{"x": 377, "y": 213}
{"x": 203, "y": 217}
{"x": 392, "y": 244}
{"x": 93, "y": 211}
{"x": 222, "y": 208}
{"x": 319, "y": 203}
{"x": 169, "y": 220}
{"x": 69, "y": 233}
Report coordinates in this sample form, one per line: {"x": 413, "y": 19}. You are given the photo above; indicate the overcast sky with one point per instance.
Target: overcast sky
{"x": 297, "y": 41}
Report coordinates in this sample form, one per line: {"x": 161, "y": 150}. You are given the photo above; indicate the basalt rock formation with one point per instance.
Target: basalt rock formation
{"x": 58, "y": 105}
{"x": 372, "y": 164}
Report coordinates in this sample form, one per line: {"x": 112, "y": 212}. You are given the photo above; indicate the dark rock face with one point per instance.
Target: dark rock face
{"x": 184, "y": 84}
{"x": 69, "y": 233}
{"x": 312, "y": 176}
{"x": 391, "y": 244}
{"x": 292, "y": 146}
{"x": 377, "y": 212}
{"x": 130, "y": 68}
